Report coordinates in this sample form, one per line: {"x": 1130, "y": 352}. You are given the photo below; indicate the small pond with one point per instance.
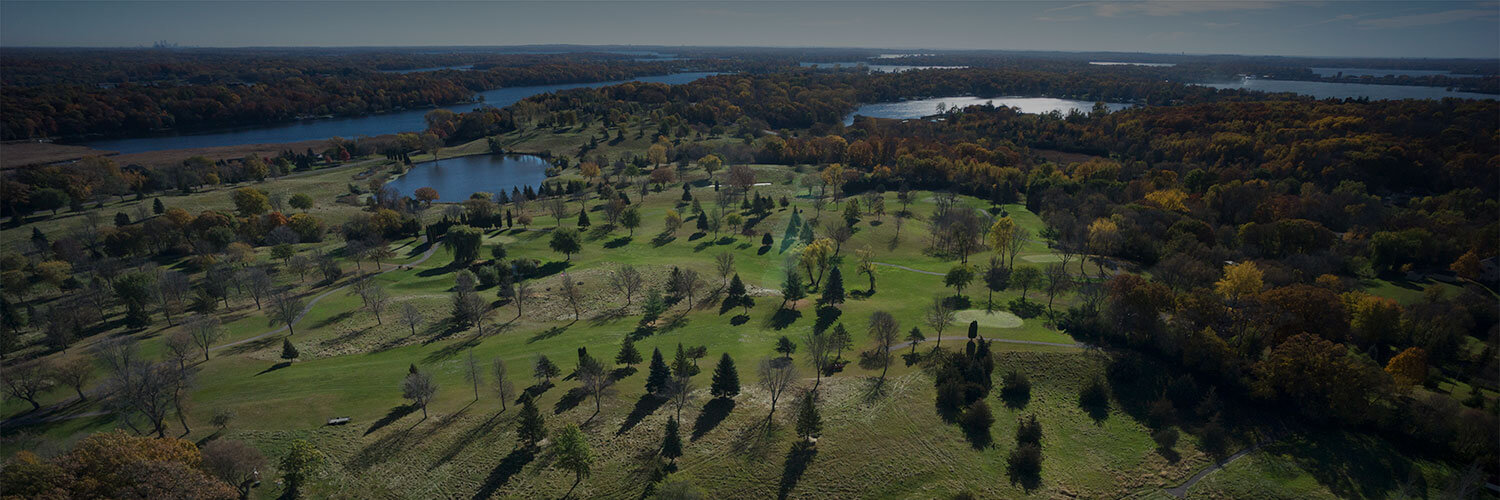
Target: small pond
{"x": 457, "y": 178}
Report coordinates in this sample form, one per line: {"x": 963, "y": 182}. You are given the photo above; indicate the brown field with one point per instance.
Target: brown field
{"x": 24, "y": 153}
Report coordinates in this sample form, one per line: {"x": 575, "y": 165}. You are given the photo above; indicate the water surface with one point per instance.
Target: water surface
{"x": 1327, "y": 90}
{"x": 877, "y": 68}
{"x": 926, "y": 107}
{"x": 457, "y": 178}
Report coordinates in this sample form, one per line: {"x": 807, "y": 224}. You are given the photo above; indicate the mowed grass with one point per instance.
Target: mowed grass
{"x": 1327, "y": 463}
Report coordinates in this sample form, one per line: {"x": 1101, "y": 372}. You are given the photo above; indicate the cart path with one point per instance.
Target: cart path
{"x": 1181, "y": 491}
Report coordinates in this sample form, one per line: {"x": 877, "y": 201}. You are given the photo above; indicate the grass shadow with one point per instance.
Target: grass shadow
{"x": 713, "y": 412}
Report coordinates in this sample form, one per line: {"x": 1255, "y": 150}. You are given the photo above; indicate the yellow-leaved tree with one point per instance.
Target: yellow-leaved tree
{"x": 1408, "y": 368}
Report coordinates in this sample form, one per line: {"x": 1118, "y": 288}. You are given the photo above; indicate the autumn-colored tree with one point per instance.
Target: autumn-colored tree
{"x": 116, "y": 465}
{"x": 1322, "y": 378}
{"x": 1408, "y": 368}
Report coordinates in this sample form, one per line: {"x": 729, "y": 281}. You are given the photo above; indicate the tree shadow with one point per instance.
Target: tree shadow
{"x": 569, "y": 400}
{"x": 618, "y": 242}
{"x": 646, "y": 405}
{"x": 696, "y": 236}
{"x": 550, "y": 268}
{"x": 390, "y": 417}
{"x": 978, "y": 437}
{"x": 507, "y": 468}
{"x": 547, "y": 334}
{"x": 608, "y": 316}
{"x": 783, "y": 318}
{"x": 274, "y": 367}
{"x": 702, "y": 246}
{"x": 797, "y": 459}
{"x": 1171, "y": 455}
{"x": 713, "y": 412}
{"x": 249, "y": 347}
{"x": 663, "y": 239}
{"x": 739, "y": 319}
{"x": 534, "y": 391}
{"x": 763, "y": 250}
{"x": 827, "y": 315}
{"x": 620, "y": 373}
{"x": 451, "y": 350}
{"x": 467, "y": 438}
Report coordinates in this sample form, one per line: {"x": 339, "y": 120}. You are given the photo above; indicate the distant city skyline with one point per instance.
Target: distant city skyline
{"x": 1435, "y": 29}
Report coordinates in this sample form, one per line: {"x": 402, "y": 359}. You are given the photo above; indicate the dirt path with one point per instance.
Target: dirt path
{"x": 1007, "y": 341}
{"x": 308, "y": 308}
{"x": 904, "y": 268}
{"x": 1181, "y": 491}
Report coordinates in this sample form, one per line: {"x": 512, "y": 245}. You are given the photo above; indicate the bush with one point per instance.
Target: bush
{"x": 1166, "y": 439}
{"x": 1161, "y": 414}
{"x": 1017, "y": 388}
{"x": 488, "y": 275}
{"x": 1214, "y": 438}
{"x": 1024, "y": 462}
{"x": 1025, "y": 309}
{"x": 950, "y": 398}
{"x": 1029, "y": 431}
{"x": 1094, "y": 396}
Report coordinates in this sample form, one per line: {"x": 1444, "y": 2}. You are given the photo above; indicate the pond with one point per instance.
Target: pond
{"x": 369, "y": 125}
{"x": 1326, "y": 90}
{"x": 925, "y": 107}
{"x": 457, "y": 178}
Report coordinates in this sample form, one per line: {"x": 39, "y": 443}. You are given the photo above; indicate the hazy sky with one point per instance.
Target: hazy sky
{"x": 1330, "y": 28}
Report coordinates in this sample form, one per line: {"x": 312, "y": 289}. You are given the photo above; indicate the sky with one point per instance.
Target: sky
{"x": 1302, "y": 28}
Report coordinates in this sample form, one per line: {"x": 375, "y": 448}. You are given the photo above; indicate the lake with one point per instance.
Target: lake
{"x": 1117, "y": 63}
{"x": 925, "y": 107}
{"x": 368, "y": 125}
{"x": 878, "y": 68}
{"x": 1381, "y": 72}
{"x": 457, "y": 178}
{"x": 421, "y": 70}
{"x": 1326, "y": 90}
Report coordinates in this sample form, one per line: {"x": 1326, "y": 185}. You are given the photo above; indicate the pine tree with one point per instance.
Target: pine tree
{"x": 288, "y": 351}
{"x": 687, "y": 194}
{"x": 833, "y": 292}
{"x": 681, "y": 366}
{"x": 658, "y": 375}
{"x": 583, "y": 219}
{"x": 737, "y": 295}
{"x": 809, "y": 423}
{"x": 157, "y": 207}
{"x": 532, "y": 427}
{"x": 792, "y": 288}
{"x": 509, "y": 221}
{"x": 671, "y": 443}
{"x": 785, "y": 347}
{"x": 726, "y": 383}
{"x": 973, "y": 329}
{"x": 628, "y": 354}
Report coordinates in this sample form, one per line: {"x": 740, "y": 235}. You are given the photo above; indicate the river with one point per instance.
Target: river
{"x": 369, "y": 125}
{"x": 925, "y": 107}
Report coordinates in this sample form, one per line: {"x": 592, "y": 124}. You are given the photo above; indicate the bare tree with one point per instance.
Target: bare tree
{"x": 626, "y": 280}
{"x": 819, "y": 350}
{"x": 75, "y": 372}
{"x": 689, "y": 285}
{"x": 146, "y": 390}
{"x": 776, "y": 376}
{"x": 258, "y": 282}
{"x": 117, "y": 353}
{"x": 884, "y": 330}
{"x": 838, "y": 230}
{"x": 473, "y": 373}
{"x": 938, "y": 316}
{"x": 1056, "y": 280}
{"x": 411, "y": 316}
{"x": 523, "y": 290}
{"x": 286, "y": 308}
{"x": 204, "y": 329}
{"x": 724, "y": 264}
{"x": 300, "y": 264}
{"x": 572, "y": 293}
{"x": 27, "y": 381}
{"x": 681, "y": 390}
{"x": 234, "y": 462}
{"x": 180, "y": 348}
{"x": 173, "y": 285}
{"x": 372, "y": 294}
{"x": 420, "y": 389}
{"x": 503, "y": 386}
{"x": 559, "y": 208}
{"x": 594, "y": 380}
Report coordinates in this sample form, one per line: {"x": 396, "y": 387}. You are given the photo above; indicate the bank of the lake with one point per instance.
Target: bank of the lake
{"x": 370, "y": 125}
{"x": 1331, "y": 90}
{"x": 457, "y": 178}
{"x": 918, "y": 108}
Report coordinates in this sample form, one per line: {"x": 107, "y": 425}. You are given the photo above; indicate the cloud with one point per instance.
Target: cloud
{"x": 1176, "y": 7}
{"x": 1169, "y": 35}
{"x": 1220, "y": 25}
{"x": 1428, "y": 19}
{"x": 1062, "y": 19}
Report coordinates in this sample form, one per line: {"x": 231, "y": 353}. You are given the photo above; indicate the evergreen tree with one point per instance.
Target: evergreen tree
{"x": 157, "y": 207}
{"x": 681, "y": 366}
{"x": 785, "y": 347}
{"x": 792, "y": 288}
{"x": 807, "y": 234}
{"x": 658, "y": 374}
{"x": 973, "y": 329}
{"x": 628, "y": 354}
{"x": 687, "y": 194}
{"x": 509, "y": 222}
{"x": 573, "y": 453}
{"x": 738, "y": 296}
{"x": 583, "y": 219}
{"x": 532, "y": 427}
{"x": 809, "y": 423}
{"x": 671, "y": 444}
{"x": 726, "y": 382}
{"x": 288, "y": 351}
{"x": 833, "y": 292}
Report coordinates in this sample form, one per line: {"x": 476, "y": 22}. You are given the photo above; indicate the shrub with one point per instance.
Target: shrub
{"x": 1025, "y": 309}
{"x": 1166, "y": 438}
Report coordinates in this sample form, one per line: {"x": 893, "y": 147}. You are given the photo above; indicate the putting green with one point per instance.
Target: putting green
{"x": 995, "y": 319}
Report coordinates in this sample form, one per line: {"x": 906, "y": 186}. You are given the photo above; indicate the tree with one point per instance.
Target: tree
{"x": 938, "y": 316}
{"x": 1056, "y": 280}
{"x": 411, "y": 316}
{"x": 819, "y": 347}
{"x": 724, "y": 265}
{"x": 288, "y": 351}
{"x": 304, "y": 202}
{"x": 420, "y": 389}
{"x": 1240, "y": 280}
{"x": 250, "y": 202}
{"x": 671, "y": 444}
{"x": 726, "y": 379}
{"x": 1026, "y": 277}
{"x": 137, "y": 291}
{"x": 1001, "y": 233}
{"x": 867, "y": 267}
{"x": 543, "y": 369}
{"x": 504, "y": 389}
{"x": 833, "y": 291}
{"x": 286, "y": 308}
{"x": 372, "y": 295}
{"x": 628, "y": 354}
{"x": 840, "y": 340}
{"x": 76, "y": 372}
{"x": 627, "y": 280}
{"x": 27, "y": 381}
{"x": 786, "y": 347}
{"x": 594, "y": 380}
{"x": 775, "y": 377}
{"x": 792, "y": 288}
{"x": 573, "y": 453}
{"x": 157, "y": 207}
{"x": 1104, "y": 237}
{"x": 531, "y": 427}
{"x": 566, "y": 242}
{"x": 205, "y": 329}
{"x": 996, "y": 279}
{"x": 464, "y": 242}
{"x": 116, "y": 465}
{"x": 883, "y": 330}
{"x": 631, "y": 219}
{"x": 234, "y": 462}
{"x": 915, "y": 336}
{"x": 49, "y": 199}
{"x": 301, "y": 461}
{"x": 658, "y": 375}
{"x": 1409, "y": 367}
{"x": 122, "y": 219}
{"x": 958, "y": 277}
{"x": 681, "y": 389}
{"x": 572, "y": 293}
{"x": 809, "y": 423}
{"x": 738, "y": 296}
